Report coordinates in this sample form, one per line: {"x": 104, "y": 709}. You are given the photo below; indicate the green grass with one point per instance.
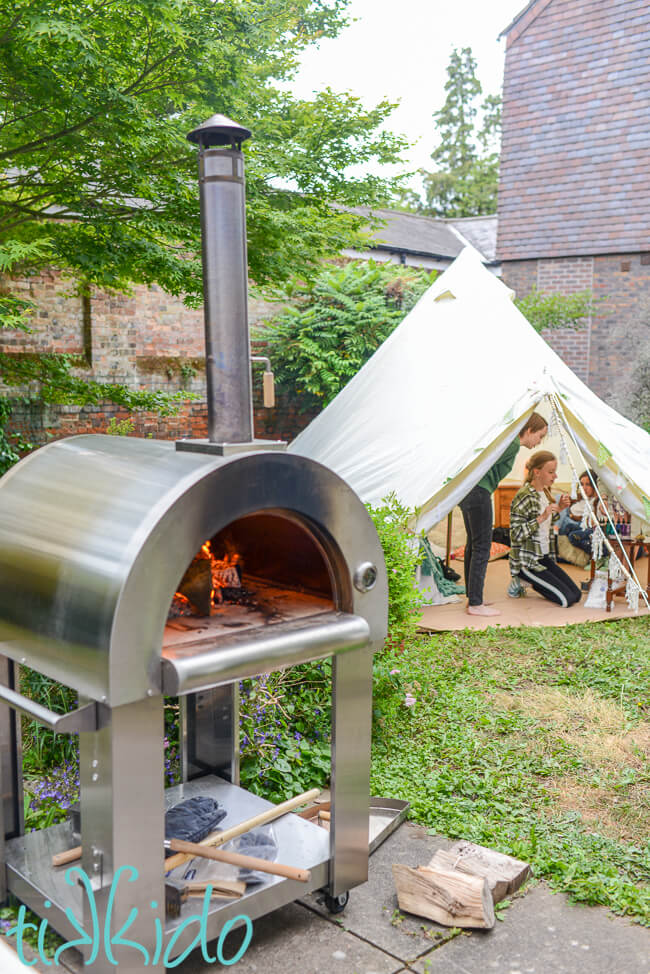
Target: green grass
{"x": 532, "y": 742}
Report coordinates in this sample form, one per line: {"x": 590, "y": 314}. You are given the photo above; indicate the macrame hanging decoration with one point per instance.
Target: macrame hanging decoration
{"x": 586, "y": 518}
{"x": 564, "y": 453}
{"x": 616, "y": 571}
{"x": 632, "y": 592}
{"x": 575, "y": 485}
{"x": 597, "y": 544}
{"x": 621, "y": 482}
{"x": 554, "y": 425}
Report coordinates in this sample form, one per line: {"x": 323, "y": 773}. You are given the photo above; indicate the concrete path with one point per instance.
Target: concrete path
{"x": 540, "y": 933}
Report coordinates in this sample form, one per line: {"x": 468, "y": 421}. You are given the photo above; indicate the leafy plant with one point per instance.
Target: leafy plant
{"x": 336, "y": 323}
{"x": 99, "y": 181}
{"x": 44, "y": 750}
{"x": 49, "y": 797}
{"x": 12, "y": 445}
{"x": 121, "y": 427}
{"x": 285, "y": 731}
{"x": 557, "y": 310}
{"x": 401, "y": 553}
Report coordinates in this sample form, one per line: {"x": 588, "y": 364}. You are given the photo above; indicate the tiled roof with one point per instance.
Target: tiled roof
{"x": 410, "y": 233}
{"x": 426, "y": 236}
{"x": 480, "y": 232}
{"x": 574, "y": 176}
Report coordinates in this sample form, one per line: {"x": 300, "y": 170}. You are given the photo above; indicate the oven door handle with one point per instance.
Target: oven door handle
{"x": 83, "y": 719}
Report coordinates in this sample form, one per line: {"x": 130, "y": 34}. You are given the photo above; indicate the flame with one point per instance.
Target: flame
{"x": 224, "y": 571}
{"x": 223, "y": 574}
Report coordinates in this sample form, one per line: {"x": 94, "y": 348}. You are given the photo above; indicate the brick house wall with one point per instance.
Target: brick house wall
{"x": 576, "y": 102}
{"x": 607, "y": 352}
{"x": 574, "y": 191}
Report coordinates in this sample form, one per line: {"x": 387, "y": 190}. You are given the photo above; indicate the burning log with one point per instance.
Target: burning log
{"x": 196, "y": 585}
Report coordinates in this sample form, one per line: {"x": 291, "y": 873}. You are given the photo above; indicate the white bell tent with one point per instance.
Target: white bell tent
{"x": 440, "y": 400}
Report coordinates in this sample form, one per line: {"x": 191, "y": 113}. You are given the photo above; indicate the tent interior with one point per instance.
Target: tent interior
{"x": 438, "y": 403}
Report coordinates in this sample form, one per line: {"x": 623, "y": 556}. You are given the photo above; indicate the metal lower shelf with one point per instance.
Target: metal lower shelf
{"x": 301, "y": 843}
{"x": 32, "y": 879}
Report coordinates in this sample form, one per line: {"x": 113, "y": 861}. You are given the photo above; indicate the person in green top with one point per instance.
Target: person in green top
{"x": 477, "y": 515}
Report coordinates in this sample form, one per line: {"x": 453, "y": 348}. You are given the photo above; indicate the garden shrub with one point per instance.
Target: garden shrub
{"x": 401, "y": 552}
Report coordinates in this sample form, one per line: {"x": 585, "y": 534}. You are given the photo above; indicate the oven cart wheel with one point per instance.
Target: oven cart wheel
{"x": 336, "y": 904}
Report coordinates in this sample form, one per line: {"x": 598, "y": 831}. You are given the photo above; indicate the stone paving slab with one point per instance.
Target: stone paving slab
{"x": 542, "y": 933}
{"x": 372, "y": 910}
{"x": 295, "y": 940}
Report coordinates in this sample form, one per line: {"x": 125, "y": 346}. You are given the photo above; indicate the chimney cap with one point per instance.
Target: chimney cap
{"x": 218, "y": 130}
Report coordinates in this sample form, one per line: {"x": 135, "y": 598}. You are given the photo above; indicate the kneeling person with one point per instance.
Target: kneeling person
{"x": 532, "y": 540}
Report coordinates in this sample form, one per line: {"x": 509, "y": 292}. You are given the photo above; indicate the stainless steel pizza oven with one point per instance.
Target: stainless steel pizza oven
{"x": 131, "y": 570}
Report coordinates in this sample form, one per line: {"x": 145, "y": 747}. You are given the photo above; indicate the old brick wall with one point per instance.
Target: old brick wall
{"x": 607, "y": 353}
{"x": 147, "y": 339}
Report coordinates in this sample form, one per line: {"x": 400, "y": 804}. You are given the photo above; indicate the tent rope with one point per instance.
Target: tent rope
{"x": 618, "y": 569}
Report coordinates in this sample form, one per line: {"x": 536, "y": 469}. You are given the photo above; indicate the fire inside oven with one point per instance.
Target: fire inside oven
{"x": 262, "y": 569}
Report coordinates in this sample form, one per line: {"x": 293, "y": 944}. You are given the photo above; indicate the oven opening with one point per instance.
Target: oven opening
{"x": 260, "y": 570}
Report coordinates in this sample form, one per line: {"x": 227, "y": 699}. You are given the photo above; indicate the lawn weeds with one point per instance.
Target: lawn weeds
{"x": 533, "y": 742}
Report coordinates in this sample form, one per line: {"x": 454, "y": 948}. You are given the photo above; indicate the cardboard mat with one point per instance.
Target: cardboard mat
{"x": 532, "y": 610}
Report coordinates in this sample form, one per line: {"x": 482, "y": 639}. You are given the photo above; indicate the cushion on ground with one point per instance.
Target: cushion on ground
{"x": 575, "y": 556}
{"x": 496, "y": 551}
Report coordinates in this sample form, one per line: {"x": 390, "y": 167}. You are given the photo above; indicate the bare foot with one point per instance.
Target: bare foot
{"x": 482, "y": 610}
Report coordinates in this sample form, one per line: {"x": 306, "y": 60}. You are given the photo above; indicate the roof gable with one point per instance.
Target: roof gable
{"x": 523, "y": 19}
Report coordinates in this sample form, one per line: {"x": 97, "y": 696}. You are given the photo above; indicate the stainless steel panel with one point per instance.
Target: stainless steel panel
{"x": 83, "y": 719}
{"x": 229, "y": 449}
{"x": 259, "y": 651}
{"x": 225, "y": 295}
{"x": 209, "y": 723}
{"x": 122, "y": 827}
{"x": 386, "y": 815}
{"x": 96, "y": 531}
{"x": 11, "y": 778}
{"x": 350, "y": 787}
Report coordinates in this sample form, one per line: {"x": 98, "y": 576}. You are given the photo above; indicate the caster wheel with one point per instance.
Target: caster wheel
{"x": 336, "y": 904}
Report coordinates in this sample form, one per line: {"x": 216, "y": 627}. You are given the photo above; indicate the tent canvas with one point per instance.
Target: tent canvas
{"x": 440, "y": 400}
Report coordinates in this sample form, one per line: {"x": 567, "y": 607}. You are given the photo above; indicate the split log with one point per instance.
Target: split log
{"x": 446, "y": 896}
{"x": 196, "y": 585}
{"x": 504, "y": 874}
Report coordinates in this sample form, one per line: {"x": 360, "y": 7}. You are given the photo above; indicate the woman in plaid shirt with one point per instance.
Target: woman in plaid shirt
{"x": 533, "y": 544}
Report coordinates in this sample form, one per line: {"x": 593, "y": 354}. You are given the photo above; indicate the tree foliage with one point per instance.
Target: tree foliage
{"x": 466, "y": 160}
{"x": 98, "y": 180}
{"x": 337, "y": 322}
{"x": 96, "y": 100}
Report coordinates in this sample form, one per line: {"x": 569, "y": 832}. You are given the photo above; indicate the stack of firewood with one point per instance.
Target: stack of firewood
{"x": 459, "y": 888}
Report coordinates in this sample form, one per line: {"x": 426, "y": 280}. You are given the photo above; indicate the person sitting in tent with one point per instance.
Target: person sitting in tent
{"x": 571, "y": 517}
{"x": 477, "y": 515}
{"x": 532, "y": 539}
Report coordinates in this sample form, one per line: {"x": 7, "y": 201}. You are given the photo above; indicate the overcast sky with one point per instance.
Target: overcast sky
{"x": 400, "y": 49}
